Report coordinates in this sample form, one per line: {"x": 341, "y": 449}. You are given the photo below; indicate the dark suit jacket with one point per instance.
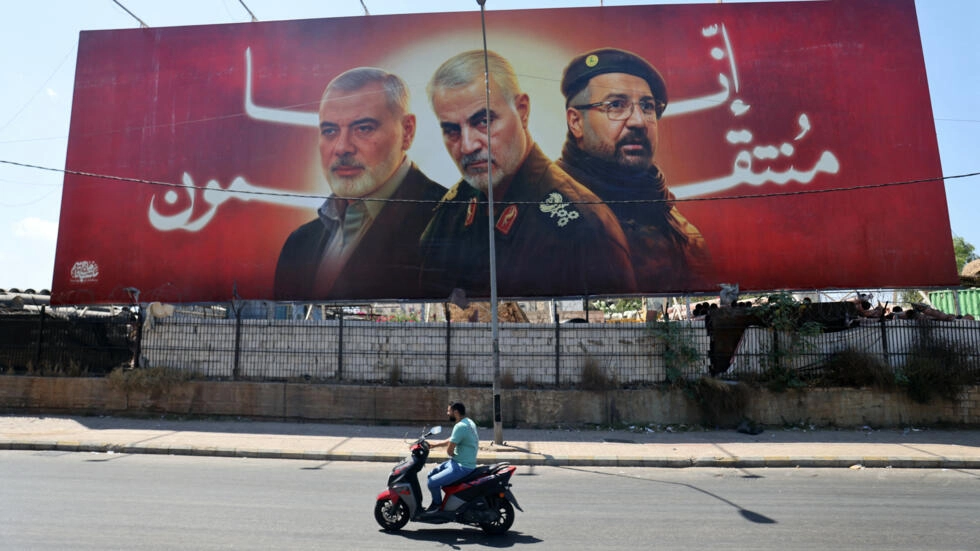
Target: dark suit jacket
{"x": 385, "y": 264}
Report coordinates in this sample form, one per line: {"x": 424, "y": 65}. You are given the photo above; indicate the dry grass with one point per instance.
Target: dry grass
{"x": 594, "y": 376}
{"x": 459, "y": 376}
{"x": 395, "y": 374}
{"x": 941, "y": 371}
{"x": 148, "y": 379}
{"x": 507, "y": 379}
{"x": 851, "y": 368}
{"x": 720, "y": 402}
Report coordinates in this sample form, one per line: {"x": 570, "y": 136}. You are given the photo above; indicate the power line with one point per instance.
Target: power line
{"x": 38, "y": 91}
{"x": 954, "y": 120}
{"x": 232, "y": 116}
{"x": 638, "y": 201}
{"x": 254, "y": 19}
{"x": 133, "y": 15}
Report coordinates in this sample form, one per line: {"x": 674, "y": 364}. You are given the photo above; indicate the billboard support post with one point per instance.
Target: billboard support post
{"x": 498, "y": 433}
{"x": 236, "y": 370}
{"x": 884, "y": 339}
{"x": 340, "y": 345}
{"x": 40, "y": 338}
{"x": 554, "y": 310}
{"x": 449, "y": 343}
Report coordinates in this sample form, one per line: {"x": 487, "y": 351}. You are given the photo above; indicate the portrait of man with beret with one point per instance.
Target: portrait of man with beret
{"x": 614, "y": 100}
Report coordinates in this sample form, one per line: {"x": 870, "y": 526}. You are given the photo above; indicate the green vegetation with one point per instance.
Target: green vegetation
{"x": 617, "y": 306}
{"x": 784, "y": 314}
{"x": 964, "y": 252}
{"x": 679, "y": 354}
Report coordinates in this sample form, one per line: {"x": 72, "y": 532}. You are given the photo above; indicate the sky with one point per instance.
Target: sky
{"x": 39, "y": 45}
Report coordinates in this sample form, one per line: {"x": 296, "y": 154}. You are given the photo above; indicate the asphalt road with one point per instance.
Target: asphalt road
{"x": 99, "y": 501}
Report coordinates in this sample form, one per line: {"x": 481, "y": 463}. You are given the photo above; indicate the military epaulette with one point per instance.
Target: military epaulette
{"x": 451, "y": 194}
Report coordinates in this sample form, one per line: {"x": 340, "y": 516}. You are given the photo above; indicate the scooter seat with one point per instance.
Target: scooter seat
{"x": 481, "y": 471}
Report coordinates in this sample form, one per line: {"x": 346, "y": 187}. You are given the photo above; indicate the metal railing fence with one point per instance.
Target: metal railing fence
{"x": 350, "y": 349}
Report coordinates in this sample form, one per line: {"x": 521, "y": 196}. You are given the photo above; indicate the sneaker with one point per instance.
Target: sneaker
{"x": 433, "y": 507}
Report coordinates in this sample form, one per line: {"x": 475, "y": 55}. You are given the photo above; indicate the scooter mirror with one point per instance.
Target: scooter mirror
{"x": 435, "y": 430}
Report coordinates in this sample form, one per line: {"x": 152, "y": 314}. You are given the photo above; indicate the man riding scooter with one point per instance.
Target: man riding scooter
{"x": 461, "y": 447}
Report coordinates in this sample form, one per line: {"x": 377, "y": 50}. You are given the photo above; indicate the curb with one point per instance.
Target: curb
{"x": 778, "y": 462}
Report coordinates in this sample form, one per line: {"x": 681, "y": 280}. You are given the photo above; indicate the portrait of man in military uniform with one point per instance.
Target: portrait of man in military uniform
{"x": 614, "y": 100}
{"x": 552, "y": 236}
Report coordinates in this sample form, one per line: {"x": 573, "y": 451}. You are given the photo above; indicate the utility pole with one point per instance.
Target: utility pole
{"x": 498, "y": 431}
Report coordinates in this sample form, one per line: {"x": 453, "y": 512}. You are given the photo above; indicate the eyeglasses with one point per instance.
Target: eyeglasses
{"x": 620, "y": 109}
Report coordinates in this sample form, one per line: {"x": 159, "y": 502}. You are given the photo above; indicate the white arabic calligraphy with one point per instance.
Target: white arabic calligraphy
{"x": 743, "y": 175}
{"x": 268, "y": 114}
{"x": 692, "y": 105}
{"x": 742, "y": 172}
{"x": 804, "y": 122}
{"x": 215, "y": 196}
{"x": 739, "y": 136}
{"x": 739, "y": 107}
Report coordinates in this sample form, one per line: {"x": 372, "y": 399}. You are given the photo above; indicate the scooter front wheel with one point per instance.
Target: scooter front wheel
{"x": 390, "y": 515}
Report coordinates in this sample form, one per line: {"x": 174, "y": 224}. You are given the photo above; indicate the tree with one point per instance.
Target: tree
{"x": 964, "y": 252}
{"x": 617, "y": 306}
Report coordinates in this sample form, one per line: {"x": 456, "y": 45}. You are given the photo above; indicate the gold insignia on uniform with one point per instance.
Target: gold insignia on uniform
{"x": 470, "y": 212}
{"x": 592, "y": 60}
{"x": 451, "y": 194}
{"x": 556, "y": 205}
{"x": 506, "y": 220}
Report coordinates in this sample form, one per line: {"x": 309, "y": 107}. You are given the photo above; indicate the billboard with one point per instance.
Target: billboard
{"x": 772, "y": 145}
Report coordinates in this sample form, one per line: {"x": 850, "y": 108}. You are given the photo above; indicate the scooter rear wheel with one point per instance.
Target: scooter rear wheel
{"x": 504, "y": 521}
{"x": 390, "y": 515}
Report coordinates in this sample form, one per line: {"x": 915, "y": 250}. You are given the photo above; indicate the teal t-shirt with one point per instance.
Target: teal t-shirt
{"x": 467, "y": 442}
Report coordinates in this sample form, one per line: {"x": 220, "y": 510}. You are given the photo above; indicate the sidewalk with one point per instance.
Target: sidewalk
{"x": 643, "y": 447}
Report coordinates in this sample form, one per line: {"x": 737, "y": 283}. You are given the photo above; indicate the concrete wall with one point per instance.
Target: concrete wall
{"x": 419, "y": 405}
{"x": 297, "y": 350}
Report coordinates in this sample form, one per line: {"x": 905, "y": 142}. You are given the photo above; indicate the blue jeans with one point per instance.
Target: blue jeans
{"x": 445, "y": 474}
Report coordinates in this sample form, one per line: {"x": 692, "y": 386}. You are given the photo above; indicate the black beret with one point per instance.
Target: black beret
{"x": 580, "y": 71}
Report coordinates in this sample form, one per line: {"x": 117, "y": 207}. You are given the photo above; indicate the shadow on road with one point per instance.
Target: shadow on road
{"x": 750, "y": 516}
{"x": 456, "y": 538}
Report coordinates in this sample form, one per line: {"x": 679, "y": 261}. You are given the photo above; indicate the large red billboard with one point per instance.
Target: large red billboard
{"x": 772, "y": 145}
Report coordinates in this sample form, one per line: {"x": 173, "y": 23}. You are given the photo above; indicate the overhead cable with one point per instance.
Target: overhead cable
{"x": 43, "y": 86}
{"x": 254, "y": 19}
{"x": 637, "y": 201}
{"x": 133, "y": 15}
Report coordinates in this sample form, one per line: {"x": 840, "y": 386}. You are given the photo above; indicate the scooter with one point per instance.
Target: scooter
{"x": 482, "y": 498}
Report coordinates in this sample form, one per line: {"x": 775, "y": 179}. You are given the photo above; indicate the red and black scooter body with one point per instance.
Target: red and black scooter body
{"x": 482, "y": 498}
